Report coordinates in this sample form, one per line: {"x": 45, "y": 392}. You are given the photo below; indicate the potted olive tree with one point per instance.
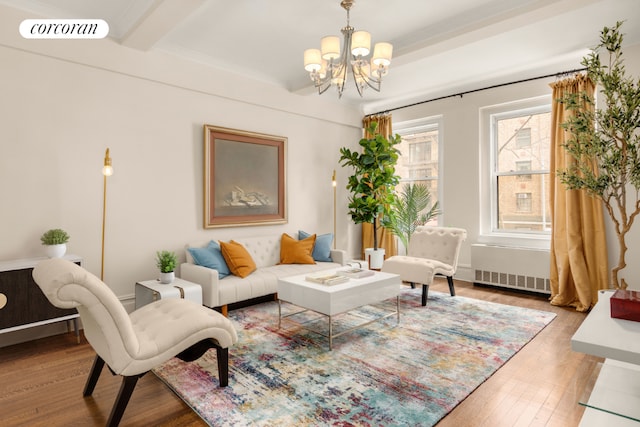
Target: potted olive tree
{"x": 166, "y": 262}
{"x": 55, "y": 242}
{"x": 411, "y": 209}
{"x": 605, "y": 143}
{"x": 372, "y": 183}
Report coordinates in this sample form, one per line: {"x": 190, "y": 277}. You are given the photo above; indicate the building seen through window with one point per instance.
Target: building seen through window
{"x": 521, "y": 147}
{"x": 418, "y": 162}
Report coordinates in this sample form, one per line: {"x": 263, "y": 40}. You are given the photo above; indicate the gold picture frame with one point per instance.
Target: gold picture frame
{"x": 244, "y": 178}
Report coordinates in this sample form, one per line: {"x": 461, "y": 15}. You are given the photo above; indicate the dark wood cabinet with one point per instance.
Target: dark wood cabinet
{"x": 22, "y": 303}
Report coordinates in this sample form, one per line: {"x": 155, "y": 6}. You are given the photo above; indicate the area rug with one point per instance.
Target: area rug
{"x": 384, "y": 374}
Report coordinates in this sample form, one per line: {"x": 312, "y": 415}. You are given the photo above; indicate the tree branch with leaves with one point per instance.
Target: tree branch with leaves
{"x": 604, "y": 143}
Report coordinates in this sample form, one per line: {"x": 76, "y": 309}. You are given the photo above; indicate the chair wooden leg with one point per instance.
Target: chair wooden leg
{"x": 413, "y": 285}
{"x": 452, "y": 290}
{"x": 425, "y": 294}
{"x": 198, "y": 349}
{"x": 126, "y": 389}
{"x": 96, "y": 369}
{"x": 223, "y": 365}
{"x": 225, "y": 310}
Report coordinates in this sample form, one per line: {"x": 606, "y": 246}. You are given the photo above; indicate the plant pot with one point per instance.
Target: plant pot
{"x": 167, "y": 278}
{"x": 375, "y": 257}
{"x": 55, "y": 251}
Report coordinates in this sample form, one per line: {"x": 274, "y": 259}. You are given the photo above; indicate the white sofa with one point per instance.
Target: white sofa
{"x": 265, "y": 252}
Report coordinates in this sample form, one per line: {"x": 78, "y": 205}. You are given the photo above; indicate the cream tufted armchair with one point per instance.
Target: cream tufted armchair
{"x": 432, "y": 250}
{"x": 131, "y": 345}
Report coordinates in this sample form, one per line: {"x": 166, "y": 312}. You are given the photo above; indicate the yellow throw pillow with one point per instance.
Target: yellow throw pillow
{"x": 238, "y": 259}
{"x": 294, "y": 251}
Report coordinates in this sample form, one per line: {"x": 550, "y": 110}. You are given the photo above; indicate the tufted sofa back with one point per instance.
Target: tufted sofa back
{"x": 264, "y": 250}
{"x": 437, "y": 243}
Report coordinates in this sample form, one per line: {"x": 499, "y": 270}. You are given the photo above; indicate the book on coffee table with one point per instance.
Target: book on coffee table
{"x": 327, "y": 279}
{"x": 355, "y": 273}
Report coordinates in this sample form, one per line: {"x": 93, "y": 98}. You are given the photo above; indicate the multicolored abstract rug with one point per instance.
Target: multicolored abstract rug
{"x": 384, "y": 374}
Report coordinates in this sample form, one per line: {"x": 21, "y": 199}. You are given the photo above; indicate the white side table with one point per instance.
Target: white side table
{"x": 615, "y": 398}
{"x": 149, "y": 291}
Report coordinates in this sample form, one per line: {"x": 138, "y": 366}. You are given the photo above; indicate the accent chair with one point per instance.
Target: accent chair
{"x": 133, "y": 344}
{"x": 432, "y": 251}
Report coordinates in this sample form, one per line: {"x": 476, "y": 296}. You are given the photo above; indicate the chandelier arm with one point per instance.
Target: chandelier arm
{"x": 359, "y": 85}
{"x": 345, "y": 54}
{"x": 368, "y": 78}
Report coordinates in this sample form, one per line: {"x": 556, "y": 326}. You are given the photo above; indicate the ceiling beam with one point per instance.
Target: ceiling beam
{"x": 160, "y": 19}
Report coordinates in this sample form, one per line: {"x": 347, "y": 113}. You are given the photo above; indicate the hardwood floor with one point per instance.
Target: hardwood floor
{"x": 41, "y": 381}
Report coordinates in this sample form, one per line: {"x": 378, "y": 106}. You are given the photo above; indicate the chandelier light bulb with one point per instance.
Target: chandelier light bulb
{"x": 382, "y": 54}
{"x": 312, "y": 60}
{"x": 361, "y": 43}
{"x": 323, "y": 69}
{"x": 330, "y": 47}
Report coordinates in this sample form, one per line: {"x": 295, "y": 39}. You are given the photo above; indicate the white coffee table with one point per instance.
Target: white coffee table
{"x": 331, "y": 300}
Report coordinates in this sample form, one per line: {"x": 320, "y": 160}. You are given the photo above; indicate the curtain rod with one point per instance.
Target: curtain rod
{"x": 461, "y": 94}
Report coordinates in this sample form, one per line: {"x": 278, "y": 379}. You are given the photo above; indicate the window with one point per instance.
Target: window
{"x": 523, "y": 138}
{"x": 419, "y": 154}
{"x": 523, "y": 202}
{"x": 515, "y": 183}
{"x": 419, "y": 151}
{"x": 416, "y": 174}
{"x": 523, "y": 166}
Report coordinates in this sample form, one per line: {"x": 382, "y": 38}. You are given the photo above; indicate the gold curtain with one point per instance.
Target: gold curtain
{"x": 386, "y": 239}
{"x": 579, "y": 265}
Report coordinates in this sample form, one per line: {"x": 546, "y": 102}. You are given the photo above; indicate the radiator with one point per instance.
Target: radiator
{"x": 508, "y": 267}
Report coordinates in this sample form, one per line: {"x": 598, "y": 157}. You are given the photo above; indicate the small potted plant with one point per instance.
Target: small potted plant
{"x": 166, "y": 262}
{"x": 55, "y": 242}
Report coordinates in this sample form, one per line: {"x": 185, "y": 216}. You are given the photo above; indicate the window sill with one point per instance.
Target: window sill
{"x": 516, "y": 240}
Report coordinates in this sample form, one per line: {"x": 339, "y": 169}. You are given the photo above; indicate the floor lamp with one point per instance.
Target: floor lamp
{"x": 334, "y": 183}
{"x": 107, "y": 170}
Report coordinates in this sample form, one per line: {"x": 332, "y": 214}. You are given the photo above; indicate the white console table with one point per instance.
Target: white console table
{"x": 615, "y": 397}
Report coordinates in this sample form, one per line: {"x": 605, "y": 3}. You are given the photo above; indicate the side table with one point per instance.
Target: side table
{"x": 615, "y": 397}
{"x": 148, "y": 291}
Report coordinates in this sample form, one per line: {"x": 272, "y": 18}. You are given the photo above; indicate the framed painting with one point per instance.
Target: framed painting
{"x": 244, "y": 178}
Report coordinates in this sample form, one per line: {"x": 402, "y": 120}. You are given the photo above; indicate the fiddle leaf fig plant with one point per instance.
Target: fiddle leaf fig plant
{"x": 374, "y": 179}
{"x": 605, "y": 143}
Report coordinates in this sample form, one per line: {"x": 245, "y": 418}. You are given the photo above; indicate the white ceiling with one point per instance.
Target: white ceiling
{"x": 440, "y": 47}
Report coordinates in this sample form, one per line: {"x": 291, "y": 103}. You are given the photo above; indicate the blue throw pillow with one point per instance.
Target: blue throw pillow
{"x": 211, "y": 257}
{"x": 322, "y": 247}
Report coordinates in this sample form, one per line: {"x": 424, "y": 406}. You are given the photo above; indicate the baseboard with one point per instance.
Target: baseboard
{"x": 544, "y": 295}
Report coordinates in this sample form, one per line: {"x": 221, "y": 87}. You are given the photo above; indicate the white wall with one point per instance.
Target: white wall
{"x": 461, "y": 170}
{"x": 62, "y": 103}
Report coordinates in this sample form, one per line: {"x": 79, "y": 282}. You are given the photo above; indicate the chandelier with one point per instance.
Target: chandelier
{"x": 329, "y": 65}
